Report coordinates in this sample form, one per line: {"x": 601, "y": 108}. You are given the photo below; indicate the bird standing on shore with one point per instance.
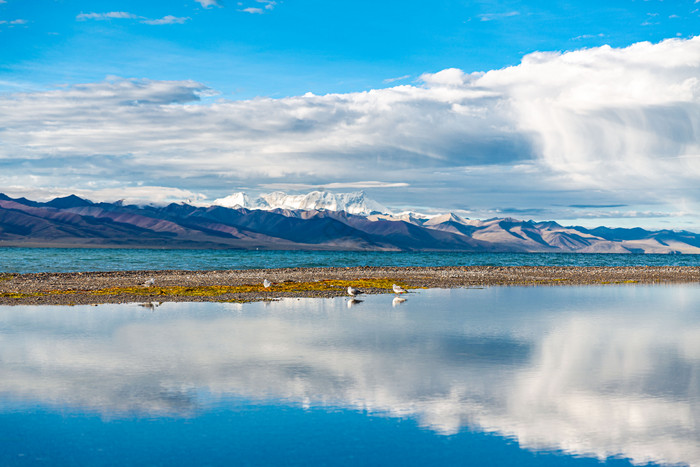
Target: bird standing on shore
{"x": 352, "y": 291}
{"x": 149, "y": 282}
{"x": 398, "y": 289}
{"x": 267, "y": 283}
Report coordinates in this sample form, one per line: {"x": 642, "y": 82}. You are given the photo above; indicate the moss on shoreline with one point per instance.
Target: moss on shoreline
{"x": 368, "y": 285}
{"x": 246, "y": 285}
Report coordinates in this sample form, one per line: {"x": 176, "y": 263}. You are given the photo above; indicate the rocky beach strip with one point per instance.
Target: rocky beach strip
{"x": 80, "y": 288}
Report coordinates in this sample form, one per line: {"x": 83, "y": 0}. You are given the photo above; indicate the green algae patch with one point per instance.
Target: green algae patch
{"x": 6, "y": 277}
{"x": 19, "y": 295}
{"x": 227, "y": 293}
{"x": 202, "y": 291}
{"x": 281, "y": 287}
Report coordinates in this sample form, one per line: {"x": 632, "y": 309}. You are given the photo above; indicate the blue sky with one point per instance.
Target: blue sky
{"x": 582, "y": 112}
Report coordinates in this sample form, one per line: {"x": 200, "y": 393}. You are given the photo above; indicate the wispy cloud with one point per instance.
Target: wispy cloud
{"x": 333, "y": 186}
{"x": 496, "y": 16}
{"x": 14, "y": 22}
{"x": 268, "y": 6}
{"x": 208, "y": 3}
{"x": 106, "y": 16}
{"x": 169, "y": 19}
{"x": 400, "y": 78}
{"x": 587, "y": 36}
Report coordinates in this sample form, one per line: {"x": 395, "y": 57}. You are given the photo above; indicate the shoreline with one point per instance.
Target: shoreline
{"x": 89, "y": 288}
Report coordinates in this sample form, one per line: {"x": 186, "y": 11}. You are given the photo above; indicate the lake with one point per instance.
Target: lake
{"x": 483, "y": 376}
{"x": 27, "y": 260}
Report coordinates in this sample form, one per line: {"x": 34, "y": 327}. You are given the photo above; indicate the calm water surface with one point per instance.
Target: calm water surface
{"x": 494, "y": 376}
{"x": 24, "y": 260}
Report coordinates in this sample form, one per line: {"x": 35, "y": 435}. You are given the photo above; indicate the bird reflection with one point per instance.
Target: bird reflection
{"x": 397, "y": 301}
{"x": 353, "y": 301}
{"x": 150, "y": 305}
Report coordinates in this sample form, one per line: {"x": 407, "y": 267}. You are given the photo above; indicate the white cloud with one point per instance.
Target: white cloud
{"x": 269, "y": 4}
{"x": 623, "y": 121}
{"x": 495, "y": 16}
{"x": 169, "y": 19}
{"x": 14, "y": 22}
{"x": 207, "y": 3}
{"x": 256, "y": 11}
{"x": 334, "y": 186}
{"x": 399, "y": 78}
{"x": 105, "y": 16}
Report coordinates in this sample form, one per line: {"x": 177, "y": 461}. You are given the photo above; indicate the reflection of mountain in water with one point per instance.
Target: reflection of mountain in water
{"x": 617, "y": 372}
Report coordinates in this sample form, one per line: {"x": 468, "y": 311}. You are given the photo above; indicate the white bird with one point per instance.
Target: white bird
{"x": 352, "y": 291}
{"x": 266, "y": 283}
{"x": 149, "y": 282}
{"x": 398, "y": 289}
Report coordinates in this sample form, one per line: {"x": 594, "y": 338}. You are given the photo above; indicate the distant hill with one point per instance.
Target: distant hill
{"x": 73, "y": 221}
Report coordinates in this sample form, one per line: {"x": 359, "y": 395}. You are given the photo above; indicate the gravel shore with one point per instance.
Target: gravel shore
{"x": 245, "y": 285}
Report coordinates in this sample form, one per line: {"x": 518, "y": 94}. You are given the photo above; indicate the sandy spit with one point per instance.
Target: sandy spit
{"x": 79, "y": 287}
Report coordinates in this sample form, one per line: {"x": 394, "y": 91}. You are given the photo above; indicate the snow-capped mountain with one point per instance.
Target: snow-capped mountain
{"x": 352, "y": 203}
{"x": 307, "y": 222}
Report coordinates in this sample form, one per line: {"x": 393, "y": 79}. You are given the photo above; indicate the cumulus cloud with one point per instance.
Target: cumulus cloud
{"x": 621, "y": 120}
{"x": 255, "y": 11}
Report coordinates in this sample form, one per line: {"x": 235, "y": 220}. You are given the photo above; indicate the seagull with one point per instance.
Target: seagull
{"x": 149, "y": 282}
{"x": 352, "y": 291}
{"x": 266, "y": 283}
{"x": 398, "y": 289}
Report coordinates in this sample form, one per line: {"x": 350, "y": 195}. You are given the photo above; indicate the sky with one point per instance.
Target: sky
{"x": 582, "y": 112}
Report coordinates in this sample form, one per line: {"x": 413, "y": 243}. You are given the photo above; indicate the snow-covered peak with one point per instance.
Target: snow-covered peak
{"x": 236, "y": 200}
{"x": 449, "y": 217}
{"x": 352, "y": 203}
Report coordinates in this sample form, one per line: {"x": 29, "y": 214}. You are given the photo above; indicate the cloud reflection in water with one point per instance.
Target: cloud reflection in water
{"x": 592, "y": 371}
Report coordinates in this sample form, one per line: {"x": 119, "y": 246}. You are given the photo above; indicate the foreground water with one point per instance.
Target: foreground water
{"x": 495, "y": 376}
{"x": 25, "y": 260}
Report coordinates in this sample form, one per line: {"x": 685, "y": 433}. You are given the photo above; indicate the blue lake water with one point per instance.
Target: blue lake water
{"x": 24, "y": 260}
{"x": 493, "y": 376}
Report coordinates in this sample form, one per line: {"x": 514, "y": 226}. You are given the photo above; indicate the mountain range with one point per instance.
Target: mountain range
{"x": 76, "y": 222}
{"x": 352, "y": 203}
